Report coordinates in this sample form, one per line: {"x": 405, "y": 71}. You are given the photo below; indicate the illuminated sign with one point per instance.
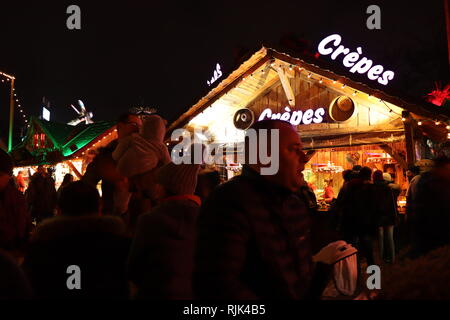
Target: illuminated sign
{"x": 45, "y": 114}
{"x": 332, "y": 45}
{"x": 217, "y": 74}
{"x": 295, "y": 117}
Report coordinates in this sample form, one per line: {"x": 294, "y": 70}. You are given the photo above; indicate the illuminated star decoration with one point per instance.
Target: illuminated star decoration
{"x": 438, "y": 96}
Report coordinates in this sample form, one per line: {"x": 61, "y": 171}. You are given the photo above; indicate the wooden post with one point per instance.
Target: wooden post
{"x": 74, "y": 169}
{"x": 394, "y": 155}
{"x": 447, "y": 22}
{"x": 409, "y": 139}
{"x": 11, "y": 115}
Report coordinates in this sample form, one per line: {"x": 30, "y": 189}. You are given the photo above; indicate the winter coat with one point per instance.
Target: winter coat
{"x": 431, "y": 220}
{"x": 253, "y": 242}
{"x": 97, "y": 245}
{"x": 358, "y": 209}
{"x": 142, "y": 152}
{"x": 385, "y": 204}
{"x": 41, "y": 196}
{"x": 162, "y": 255}
{"x": 15, "y": 221}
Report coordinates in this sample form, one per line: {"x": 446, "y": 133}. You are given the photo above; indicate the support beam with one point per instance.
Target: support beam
{"x": 11, "y": 115}
{"x": 310, "y": 153}
{"x": 74, "y": 169}
{"x": 286, "y": 85}
{"x": 397, "y": 157}
{"x": 409, "y": 139}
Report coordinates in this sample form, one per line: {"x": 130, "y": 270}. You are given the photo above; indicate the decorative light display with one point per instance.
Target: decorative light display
{"x": 380, "y": 158}
{"x": 331, "y": 45}
{"x": 438, "y": 96}
{"x": 6, "y": 78}
{"x": 329, "y": 167}
{"x": 141, "y": 110}
{"x": 348, "y": 90}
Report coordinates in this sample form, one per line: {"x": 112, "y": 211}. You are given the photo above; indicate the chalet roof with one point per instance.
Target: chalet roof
{"x": 87, "y": 135}
{"x": 67, "y": 140}
{"x": 253, "y": 77}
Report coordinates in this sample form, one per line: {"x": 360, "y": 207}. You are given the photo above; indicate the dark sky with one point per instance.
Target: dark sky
{"x": 160, "y": 53}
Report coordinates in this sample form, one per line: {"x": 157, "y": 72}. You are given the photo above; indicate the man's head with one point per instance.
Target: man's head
{"x": 377, "y": 176}
{"x": 412, "y": 172}
{"x": 290, "y": 155}
{"x": 128, "y": 124}
{"x": 347, "y": 175}
{"x": 365, "y": 173}
{"x": 6, "y": 166}
{"x": 41, "y": 169}
{"x": 79, "y": 199}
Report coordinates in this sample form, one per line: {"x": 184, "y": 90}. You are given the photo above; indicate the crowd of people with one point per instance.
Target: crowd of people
{"x": 167, "y": 231}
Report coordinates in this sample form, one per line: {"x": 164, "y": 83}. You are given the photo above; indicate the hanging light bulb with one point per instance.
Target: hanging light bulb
{"x": 354, "y": 93}
{"x": 320, "y": 81}
{"x": 343, "y": 86}
{"x": 309, "y": 75}
{"x": 419, "y": 123}
{"x": 403, "y": 119}
{"x": 447, "y": 127}
{"x": 437, "y": 123}
{"x": 334, "y": 81}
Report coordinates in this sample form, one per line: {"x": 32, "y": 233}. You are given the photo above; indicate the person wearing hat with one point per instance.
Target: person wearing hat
{"x": 15, "y": 222}
{"x": 396, "y": 189}
{"x": 161, "y": 259}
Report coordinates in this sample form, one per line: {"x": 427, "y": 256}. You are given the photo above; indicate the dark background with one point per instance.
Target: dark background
{"x": 161, "y": 53}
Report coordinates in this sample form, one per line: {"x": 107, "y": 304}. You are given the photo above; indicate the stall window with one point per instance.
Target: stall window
{"x": 42, "y": 142}
{"x": 36, "y": 140}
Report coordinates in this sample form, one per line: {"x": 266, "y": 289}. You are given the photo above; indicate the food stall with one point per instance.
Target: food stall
{"x": 62, "y": 148}
{"x": 342, "y": 123}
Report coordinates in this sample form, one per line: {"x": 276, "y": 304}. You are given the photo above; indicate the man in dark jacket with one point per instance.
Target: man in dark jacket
{"x": 385, "y": 211}
{"x": 41, "y": 195}
{"x": 359, "y": 220}
{"x": 254, "y": 231}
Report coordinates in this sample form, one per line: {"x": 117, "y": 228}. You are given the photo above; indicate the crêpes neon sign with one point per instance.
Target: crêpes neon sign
{"x": 295, "y": 117}
{"x": 332, "y": 45}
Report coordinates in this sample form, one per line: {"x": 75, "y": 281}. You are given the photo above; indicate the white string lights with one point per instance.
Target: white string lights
{"x": 6, "y": 79}
{"x": 353, "y": 92}
{"x": 20, "y": 109}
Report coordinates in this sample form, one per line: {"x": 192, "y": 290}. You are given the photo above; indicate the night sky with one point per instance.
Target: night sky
{"x": 161, "y": 53}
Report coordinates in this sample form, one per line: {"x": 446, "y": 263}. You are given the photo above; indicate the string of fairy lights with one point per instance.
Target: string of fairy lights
{"x": 6, "y": 79}
{"x": 353, "y": 92}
